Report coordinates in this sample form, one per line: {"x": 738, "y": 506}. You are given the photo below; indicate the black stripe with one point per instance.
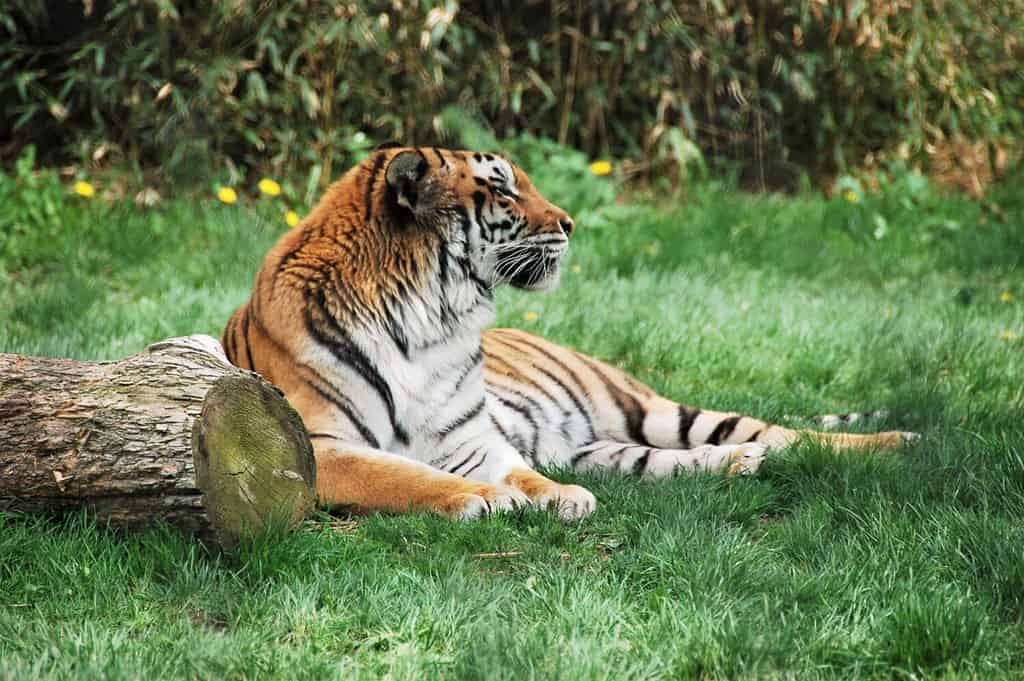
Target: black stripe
{"x": 686, "y": 418}
{"x": 245, "y": 335}
{"x": 462, "y": 420}
{"x": 334, "y": 338}
{"x": 327, "y": 436}
{"x": 631, "y": 409}
{"x": 442, "y": 264}
{"x": 514, "y": 374}
{"x": 474, "y": 361}
{"x": 228, "y": 341}
{"x": 401, "y": 434}
{"x": 514, "y": 442}
{"x": 619, "y": 455}
{"x": 473, "y": 468}
{"x": 330, "y": 394}
{"x": 522, "y": 411}
{"x": 582, "y": 455}
{"x": 465, "y": 461}
{"x": 440, "y": 157}
{"x": 378, "y": 162}
{"x": 317, "y": 381}
{"x": 478, "y": 209}
{"x": 349, "y": 413}
{"x": 579, "y": 456}
{"x": 640, "y": 465}
{"x": 565, "y": 367}
{"x": 397, "y": 333}
{"x": 723, "y": 430}
{"x": 753, "y": 438}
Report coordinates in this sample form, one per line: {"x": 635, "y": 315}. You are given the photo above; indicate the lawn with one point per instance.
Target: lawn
{"x": 898, "y": 565}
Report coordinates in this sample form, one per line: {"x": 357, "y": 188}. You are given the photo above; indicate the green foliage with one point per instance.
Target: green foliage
{"x": 278, "y": 86}
{"x": 34, "y": 215}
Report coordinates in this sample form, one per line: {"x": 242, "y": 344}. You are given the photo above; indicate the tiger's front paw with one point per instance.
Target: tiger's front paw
{"x": 483, "y": 501}
{"x": 570, "y": 502}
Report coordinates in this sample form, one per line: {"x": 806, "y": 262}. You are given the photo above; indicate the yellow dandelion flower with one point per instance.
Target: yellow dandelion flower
{"x": 269, "y": 187}
{"x": 227, "y": 195}
{"x": 1008, "y": 336}
{"x": 530, "y": 316}
{"x": 851, "y": 196}
{"x": 292, "y": 218}
{"x": 576, "y": 269}
{"x": 601, "y": 167}
{"x": 83, "y": 188}
{"x": 1006, "y": 297}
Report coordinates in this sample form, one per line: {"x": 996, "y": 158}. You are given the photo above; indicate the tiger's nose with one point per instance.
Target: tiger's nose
{"x": 567, "y": 225}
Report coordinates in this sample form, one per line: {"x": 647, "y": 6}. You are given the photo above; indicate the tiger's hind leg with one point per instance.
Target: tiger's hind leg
{"x": 654, "y": 462}
{"x": 529, "y": 372}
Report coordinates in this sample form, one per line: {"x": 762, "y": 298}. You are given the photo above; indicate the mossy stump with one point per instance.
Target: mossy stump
{"x": 174, "y": 434}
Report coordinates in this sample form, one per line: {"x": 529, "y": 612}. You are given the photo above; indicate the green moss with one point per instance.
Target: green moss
{"x": 253, "y": 460}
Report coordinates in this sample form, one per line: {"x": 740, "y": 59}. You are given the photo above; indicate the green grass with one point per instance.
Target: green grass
{"x": 824, "y": 566}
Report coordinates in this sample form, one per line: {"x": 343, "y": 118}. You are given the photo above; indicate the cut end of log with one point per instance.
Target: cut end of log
{"x": 253, "y": 460}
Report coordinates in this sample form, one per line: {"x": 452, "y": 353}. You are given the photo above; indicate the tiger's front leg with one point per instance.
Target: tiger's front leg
{"x": 368, "y": 479}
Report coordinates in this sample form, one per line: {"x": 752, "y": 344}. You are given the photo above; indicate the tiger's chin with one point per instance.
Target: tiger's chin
{"x": 548, "y": 282}
{"x": 541, "y": 274}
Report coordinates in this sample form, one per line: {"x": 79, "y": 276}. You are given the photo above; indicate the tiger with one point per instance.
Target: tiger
{"x": 372, "y": 316}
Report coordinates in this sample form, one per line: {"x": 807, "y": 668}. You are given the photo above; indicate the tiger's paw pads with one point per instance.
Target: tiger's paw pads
{"x": 570, "y": 502}
{"x": 746, "y": 458}
{"x": 489, "y": 500}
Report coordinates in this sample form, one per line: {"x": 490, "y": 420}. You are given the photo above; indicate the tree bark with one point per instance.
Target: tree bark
{"x": 174, "y": 434}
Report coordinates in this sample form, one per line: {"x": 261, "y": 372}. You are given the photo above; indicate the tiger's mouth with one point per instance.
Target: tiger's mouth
{"x": 532, "y": 264}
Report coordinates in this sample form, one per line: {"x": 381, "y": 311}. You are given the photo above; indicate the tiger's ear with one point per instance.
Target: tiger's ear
{"x": 404, "y": 174}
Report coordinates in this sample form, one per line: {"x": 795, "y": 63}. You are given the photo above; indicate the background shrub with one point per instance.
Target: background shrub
{"x": 779, "y": 87}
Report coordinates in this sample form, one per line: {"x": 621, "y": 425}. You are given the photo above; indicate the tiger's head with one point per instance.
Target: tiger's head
{"x": 482, "y": 205}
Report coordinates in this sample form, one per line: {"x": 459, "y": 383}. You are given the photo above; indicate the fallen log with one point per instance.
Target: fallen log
{"x": 174, "y": 434}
